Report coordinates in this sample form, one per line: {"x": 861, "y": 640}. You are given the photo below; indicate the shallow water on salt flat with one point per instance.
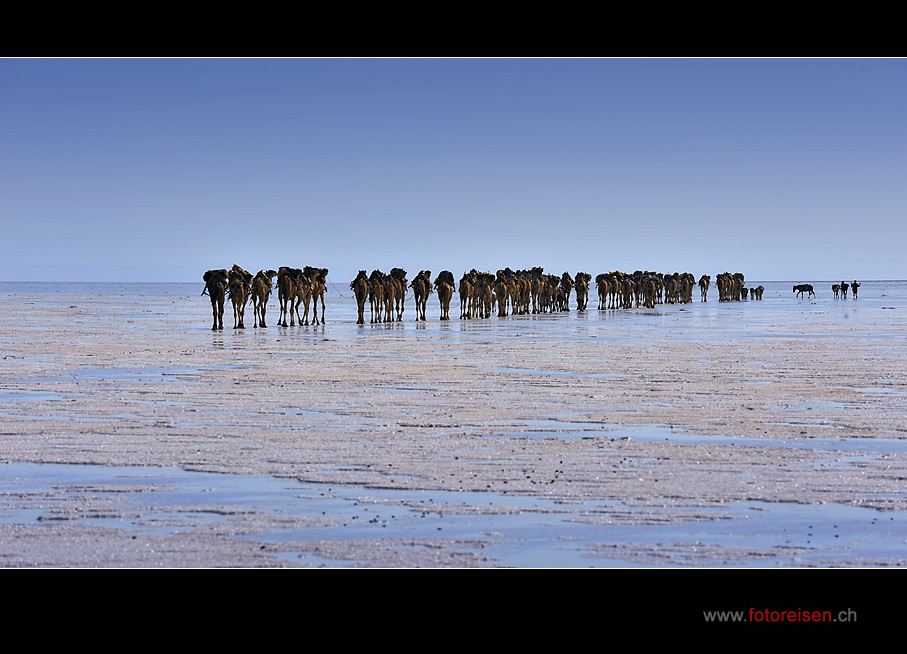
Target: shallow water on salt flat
{"x": 518, "y": 531}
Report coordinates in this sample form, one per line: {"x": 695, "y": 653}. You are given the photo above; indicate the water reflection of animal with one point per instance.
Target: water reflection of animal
{"x": 800, "y": 289}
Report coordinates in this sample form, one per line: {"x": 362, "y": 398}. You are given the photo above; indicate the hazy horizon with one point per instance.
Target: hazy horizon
{"x": 158, "y": 169}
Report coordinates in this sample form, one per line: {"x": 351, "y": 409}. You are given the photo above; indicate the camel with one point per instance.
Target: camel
{"x": 359, "y": 286}
{"x": 376, "y": 296}
{"x": 239, "y": 286}
{"x": 484, "y": 294}
{"x": 466, "y": 290}
{"x": 216, "y": 288}
{"x": 615, "y": 289}
{"x": 504, "y": 290}
{"x": 421, "y": 290}
{"x": 318, "y": 284}
{"x": 627, "y": 288}
{"x": 730, "y": 286}
{"x": 286, "y": 293}
{"x": 566, "y": 286}
{"x": 800, "y": 289}
{"x": 535, "y": 286}
{"x": 604, "y": 289}
{"x": 582, "y": 290}
{"x": 522, "y": 292}
{"x": 390, "y": 294}
{"x": 261, "y": 292}
{"x": 444, "y": 284}
{"x": 672, "y": 288}
{"x": 304, "y": 287}
{"x": 398, "y": 276}
{"x": 649, "y": 291}
{"x": 687, "y": 284}
{"x": 704, "y": 283}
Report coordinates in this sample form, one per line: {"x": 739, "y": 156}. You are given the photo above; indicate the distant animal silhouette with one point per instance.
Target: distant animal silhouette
{"x": 359, "y": 286}
{"x": 216, "y": 287}
{"x": 800, "y": 289}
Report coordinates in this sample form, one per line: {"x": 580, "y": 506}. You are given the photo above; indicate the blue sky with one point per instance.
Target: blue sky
{"x": 156, "y": 170}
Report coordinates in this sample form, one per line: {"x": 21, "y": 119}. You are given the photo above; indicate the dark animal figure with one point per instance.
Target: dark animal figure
{"x": 445, "y": 285}
{"x": 261, "y": 292}
{"x": 836, "y": 290}
{"x": 800, "y": 289}
{"x": 854, "y": 288}
{"x": 421, "y": 290}
{"x": 318, "y": 279}
{"x": 844, "y": 288}
{"x": 239, "y": 288}
{"x": 398, "y": 277}
{"x": 360, "y": 287}
{"x": 582, "y": 290}
{"x": 216, "y": 288}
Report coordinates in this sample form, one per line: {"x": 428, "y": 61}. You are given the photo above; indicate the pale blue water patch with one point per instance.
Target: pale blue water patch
{"x": 508, "y": 530}
{"x": 28, "y": 396}
{"x": 878, "y": 390}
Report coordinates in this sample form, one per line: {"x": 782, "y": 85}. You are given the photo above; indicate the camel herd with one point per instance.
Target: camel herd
{"x": 507, "y": 292}
{"x": 295, "y": 287}
{"x": 516, "y": 292}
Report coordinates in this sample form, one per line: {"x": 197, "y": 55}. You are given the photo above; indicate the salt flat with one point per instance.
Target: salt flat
{"x": 768, "y": 433}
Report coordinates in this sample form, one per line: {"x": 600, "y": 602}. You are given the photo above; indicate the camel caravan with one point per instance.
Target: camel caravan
{"x": 386, "y": 295}
{"x": 507, "y": 292}
{"x": 295, "y": 287}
